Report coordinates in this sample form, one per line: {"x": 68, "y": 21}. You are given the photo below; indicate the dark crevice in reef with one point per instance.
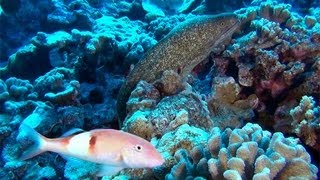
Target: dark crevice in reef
{"x": 233, "y": 70}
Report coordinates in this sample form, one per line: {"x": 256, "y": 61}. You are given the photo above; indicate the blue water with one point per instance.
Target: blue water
{"x": 62, "y": 64}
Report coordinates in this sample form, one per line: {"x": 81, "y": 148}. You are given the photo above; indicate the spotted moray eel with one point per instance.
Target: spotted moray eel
{"x": 181, "y": 50}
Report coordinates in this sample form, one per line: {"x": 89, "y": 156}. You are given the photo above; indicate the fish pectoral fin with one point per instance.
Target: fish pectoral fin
{"x": 107, "y": 170}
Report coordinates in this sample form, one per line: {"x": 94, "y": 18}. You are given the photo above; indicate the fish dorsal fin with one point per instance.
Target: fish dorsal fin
{"x": 73, "y": 131}
{"x": 107, "y": 170}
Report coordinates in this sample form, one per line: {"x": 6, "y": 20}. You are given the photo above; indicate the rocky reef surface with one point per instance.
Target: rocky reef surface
{"x": 250, "y": 110}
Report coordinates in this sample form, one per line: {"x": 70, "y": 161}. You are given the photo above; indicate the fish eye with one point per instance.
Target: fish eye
{"x": 222, "y": 23}
{"x": 138, "y": 148}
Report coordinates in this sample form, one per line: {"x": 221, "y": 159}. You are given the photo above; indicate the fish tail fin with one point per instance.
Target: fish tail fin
{"x": 38, "y": 142}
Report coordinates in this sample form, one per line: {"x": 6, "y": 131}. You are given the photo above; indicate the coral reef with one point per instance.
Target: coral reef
{"x": 188, "y": 45}
{"x": 246, "y": 153}
{"x": 275, "y": 58}
{"x": 149, "y": 116}
{"x": 62, "y": 64}
{"x": 110, "y": 39}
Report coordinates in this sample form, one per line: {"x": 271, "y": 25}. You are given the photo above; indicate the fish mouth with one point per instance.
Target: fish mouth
{"x": 233, "y": 27}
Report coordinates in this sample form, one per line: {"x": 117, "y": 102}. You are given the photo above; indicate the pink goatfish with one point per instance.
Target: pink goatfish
{"x": 113, "y": 149}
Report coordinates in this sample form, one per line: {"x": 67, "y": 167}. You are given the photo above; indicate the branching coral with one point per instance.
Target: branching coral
{"x": 306, "y": 121}
{"x": 274, "y": 58}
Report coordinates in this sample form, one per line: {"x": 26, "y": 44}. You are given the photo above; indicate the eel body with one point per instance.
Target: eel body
{"x": 181, "y": 50}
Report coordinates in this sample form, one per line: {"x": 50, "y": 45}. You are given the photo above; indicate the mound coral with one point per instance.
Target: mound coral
{"x": 248, "y": 153}
{"x": 20, "y": 90}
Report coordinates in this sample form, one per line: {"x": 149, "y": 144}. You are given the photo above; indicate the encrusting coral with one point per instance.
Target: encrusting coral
{"x": 227, "y": 108}
{"x": 58, "y": 86}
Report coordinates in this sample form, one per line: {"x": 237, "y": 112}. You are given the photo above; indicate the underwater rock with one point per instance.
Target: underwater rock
{"x": 144, "y": 96}
{"x": 77, "y": 14}
{"x": 130, "y": 36}
{"x": 28, "y": 62}
{"x": 79, "y": 169}
{"x": 184, "y": 137}
{"x": 42, "y": 117}
{"x": 59, "y": 39}
{"x": 169, "y": 108}
{"x": 170, "y": 83}
{"x": 213, "y": 6}
{"x": 20, "y": 24}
